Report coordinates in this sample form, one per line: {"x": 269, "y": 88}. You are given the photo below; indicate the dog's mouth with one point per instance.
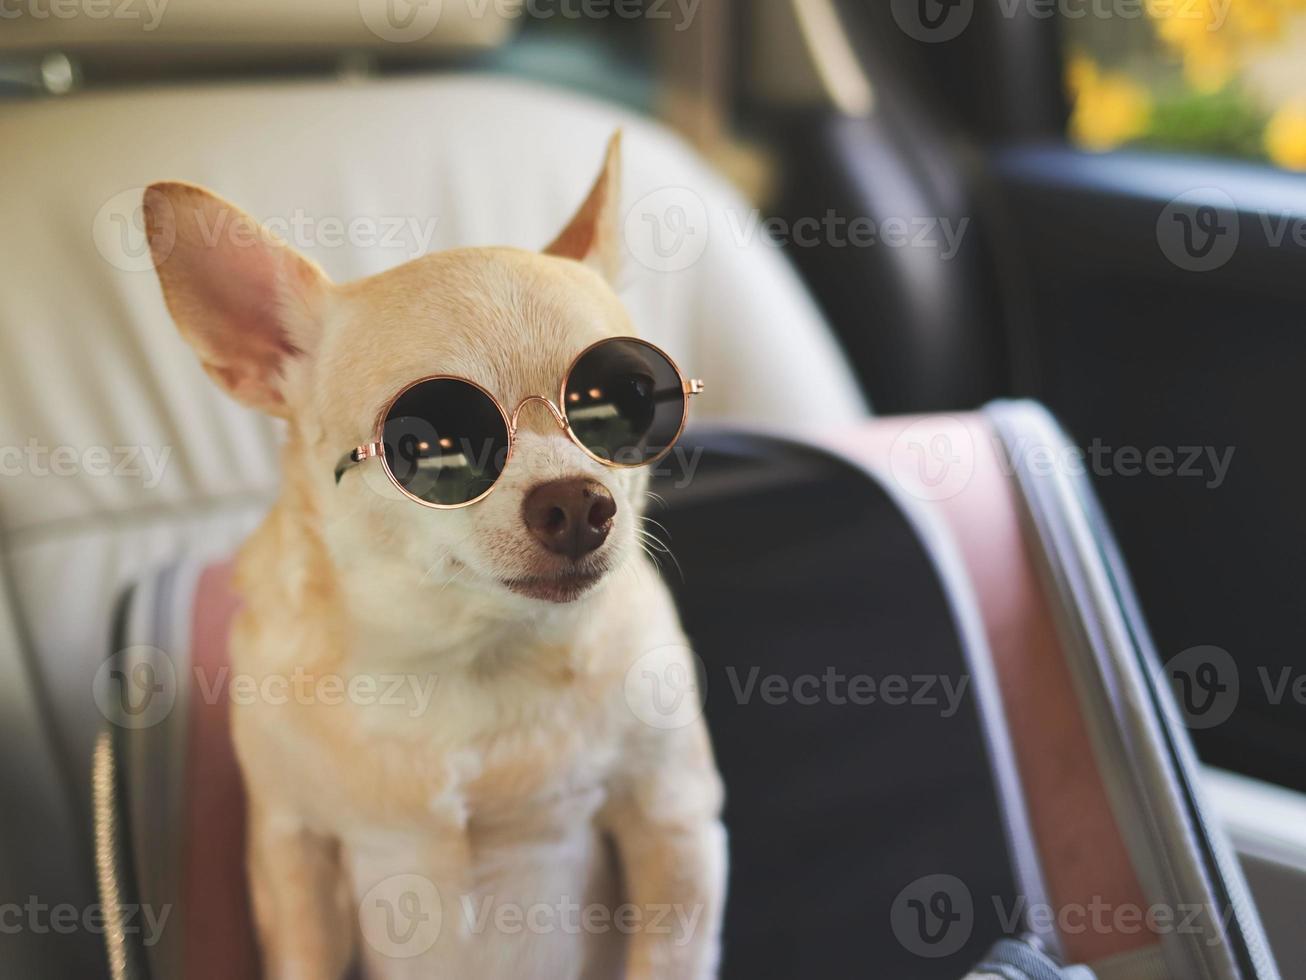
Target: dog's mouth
{"x": 566, "y": 586}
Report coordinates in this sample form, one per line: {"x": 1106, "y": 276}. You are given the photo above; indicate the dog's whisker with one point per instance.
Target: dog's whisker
{"x": 452, "y": 578}
{"x": 656, "y": 543}
{"x": 659, "y": 525}
{"x": 632, "y": 567}
{"x": 654, "y": 558}
{"x": 663, "y": 547}
{"x": 654, "y": 547}
{"x": 445, "y": 554}
{"x": 657, "y": 498}
{"x": 427, "y": 574}
{"x": 653, "y": 539}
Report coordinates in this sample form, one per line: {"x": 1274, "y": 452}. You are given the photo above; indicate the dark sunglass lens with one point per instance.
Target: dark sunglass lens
{"x": 445, "y": 441}
{"x": 624, "y": 401}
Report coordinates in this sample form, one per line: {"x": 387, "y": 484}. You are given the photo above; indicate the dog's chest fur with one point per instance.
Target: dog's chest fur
{"x": 486, "y": 764}
{"x": 494, "y": 789}
{"x": 518, "y": 737}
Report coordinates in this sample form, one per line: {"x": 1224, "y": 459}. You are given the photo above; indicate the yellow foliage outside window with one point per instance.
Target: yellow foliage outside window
{"x": 1213, "y": 76}
{"x": 1285, "y": 136}
{"x": 1110, "y": 107}
{"x": 1212, "y": 38}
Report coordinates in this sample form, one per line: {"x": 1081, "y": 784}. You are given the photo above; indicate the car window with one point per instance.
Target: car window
{"x": 1220, "y": 77}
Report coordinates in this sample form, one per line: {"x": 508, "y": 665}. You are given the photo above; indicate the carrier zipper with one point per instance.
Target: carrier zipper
{"x": 107, "y": 858}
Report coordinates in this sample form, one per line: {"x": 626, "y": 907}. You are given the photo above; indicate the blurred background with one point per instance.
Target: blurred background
{"x": 1023, "y": 154}
{"x": 1095, "y": 203}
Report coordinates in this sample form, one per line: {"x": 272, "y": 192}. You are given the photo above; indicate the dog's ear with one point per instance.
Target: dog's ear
{"x": 593, "y": 235}
{"x": 245, "y": 301}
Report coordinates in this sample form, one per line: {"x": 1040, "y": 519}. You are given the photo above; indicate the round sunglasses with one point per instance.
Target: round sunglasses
{"x": 444, "y": 441}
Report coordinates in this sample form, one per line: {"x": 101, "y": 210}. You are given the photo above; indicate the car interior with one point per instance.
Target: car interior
{"x": 984, "y": 530}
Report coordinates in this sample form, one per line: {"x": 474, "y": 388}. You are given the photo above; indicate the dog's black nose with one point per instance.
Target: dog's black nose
{"x": 570, "y": 517}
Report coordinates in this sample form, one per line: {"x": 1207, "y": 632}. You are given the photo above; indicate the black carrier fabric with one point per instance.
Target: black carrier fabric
{"x": 866, "y": 838}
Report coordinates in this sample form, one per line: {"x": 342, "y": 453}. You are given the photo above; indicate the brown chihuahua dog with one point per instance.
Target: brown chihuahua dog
{"x": 482, "y": 782}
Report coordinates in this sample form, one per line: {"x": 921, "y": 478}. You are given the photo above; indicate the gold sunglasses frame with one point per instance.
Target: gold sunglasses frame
{"x": 376, "y": 448}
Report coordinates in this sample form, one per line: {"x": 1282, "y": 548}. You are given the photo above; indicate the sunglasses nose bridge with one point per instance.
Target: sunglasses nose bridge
{"x": 554, "y": 411}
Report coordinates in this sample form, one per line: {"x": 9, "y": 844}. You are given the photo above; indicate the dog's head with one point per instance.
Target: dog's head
{"x": 272, "y": 330}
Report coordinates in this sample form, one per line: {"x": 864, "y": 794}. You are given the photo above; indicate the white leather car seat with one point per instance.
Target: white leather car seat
{"x": 119, "y": 455}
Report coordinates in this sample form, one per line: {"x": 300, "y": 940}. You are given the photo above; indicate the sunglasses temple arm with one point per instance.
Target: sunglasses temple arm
{"x": 693, "y": 386}
{"x": 355, "y": 456}
{"x": 347, "y": 463}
